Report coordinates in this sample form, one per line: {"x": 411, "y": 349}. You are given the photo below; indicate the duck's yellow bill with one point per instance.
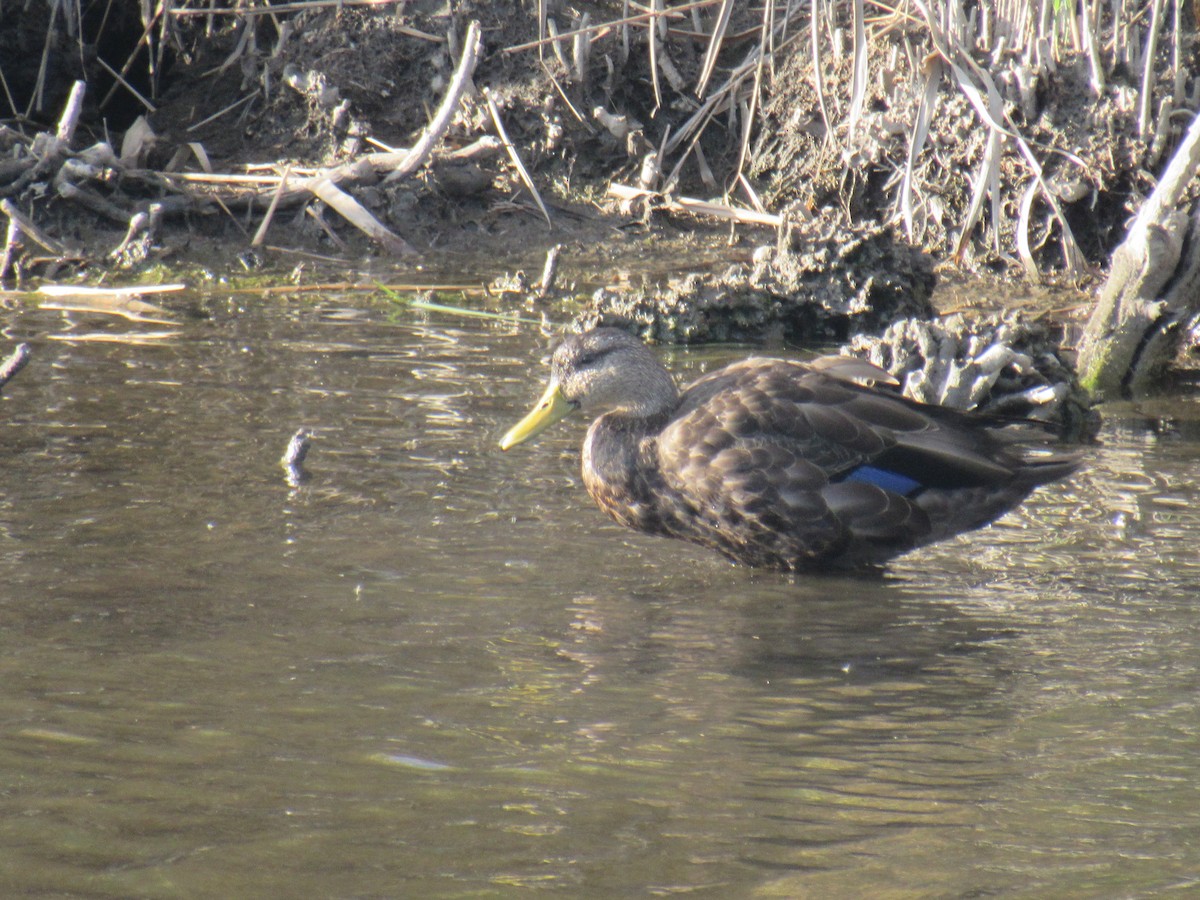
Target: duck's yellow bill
{"x": 553, "y": 407}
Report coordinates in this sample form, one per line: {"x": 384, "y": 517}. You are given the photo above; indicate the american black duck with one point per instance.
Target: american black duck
{"x": 779, "y": 463}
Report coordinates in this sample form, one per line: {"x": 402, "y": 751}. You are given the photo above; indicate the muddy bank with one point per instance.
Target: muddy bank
{"x": 841, "y": 159}
{"x": 886, "y": 128}
{"x": 807, "y": 287}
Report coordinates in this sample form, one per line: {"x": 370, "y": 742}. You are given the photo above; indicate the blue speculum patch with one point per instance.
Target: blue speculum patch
{"x": 889, "y": 481}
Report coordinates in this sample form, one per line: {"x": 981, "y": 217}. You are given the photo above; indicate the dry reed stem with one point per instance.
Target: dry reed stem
{"x": 119, "y": 77}
{"x": 606, "y": 26}
{"x": 652, "y": 39}
{"x": 298, "y": 7}
{"x": 714, "y": 45}
{"x": 515, "y": 157}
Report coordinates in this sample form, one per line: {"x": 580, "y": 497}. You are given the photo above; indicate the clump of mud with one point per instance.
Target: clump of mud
{"x": 816, "y": 285}
{"x": 1002, "y": 365}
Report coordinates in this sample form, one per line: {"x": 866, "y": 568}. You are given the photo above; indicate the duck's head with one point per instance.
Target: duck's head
{"x": 605, "y": 370}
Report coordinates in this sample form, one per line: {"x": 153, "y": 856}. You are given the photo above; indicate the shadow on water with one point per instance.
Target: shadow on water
{"x": 433, "y": 669}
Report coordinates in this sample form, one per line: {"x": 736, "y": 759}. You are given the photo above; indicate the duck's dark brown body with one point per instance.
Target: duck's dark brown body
{"x": 792, "y": 466}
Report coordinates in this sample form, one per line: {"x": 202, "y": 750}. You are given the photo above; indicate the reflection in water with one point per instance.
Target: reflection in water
{"x": 433, "y": 669}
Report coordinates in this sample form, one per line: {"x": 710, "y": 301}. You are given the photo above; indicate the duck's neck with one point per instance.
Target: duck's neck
{"x": 646, "y": 401}
{"x": 615, "y": 472}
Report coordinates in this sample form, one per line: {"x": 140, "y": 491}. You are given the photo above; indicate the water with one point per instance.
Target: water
{"x": 434, "y": 670}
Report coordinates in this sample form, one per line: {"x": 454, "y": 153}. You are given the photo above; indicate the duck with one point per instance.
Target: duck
{"x": 784, "y": 464}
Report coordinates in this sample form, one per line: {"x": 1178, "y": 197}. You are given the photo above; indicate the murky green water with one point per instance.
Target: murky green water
{"x": 435, "y": 670}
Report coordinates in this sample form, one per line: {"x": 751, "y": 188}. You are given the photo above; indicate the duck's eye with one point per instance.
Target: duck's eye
{"x": 589, "y": 357}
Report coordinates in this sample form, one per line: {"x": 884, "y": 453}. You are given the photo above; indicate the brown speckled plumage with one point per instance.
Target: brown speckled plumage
{"x": 783, "y": 464}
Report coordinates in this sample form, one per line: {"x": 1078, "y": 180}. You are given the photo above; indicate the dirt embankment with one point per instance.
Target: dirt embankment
{"x": 922, "y": 126}
{"x": 1006, "y": 139}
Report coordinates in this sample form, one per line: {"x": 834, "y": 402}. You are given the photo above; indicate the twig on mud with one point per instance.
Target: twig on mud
{"x": 751, "y": 115}
{"x": 581, "y": 52}
{"x": 325, "y": 185}
{"x": 12, "y": 246}
{"x": 515, "y": 157}
{"x": 567, "y": 100}
{"x": 652, "y": 48}
{"x": 358, "y": 216}
{"x": 1024, "y": 251}
{"x": 15, "y": 362}
{"x": 90, "y": 200}
{"x": 420, "y": 152}
{"x": 542, "y": 23}
{"x": 70, "y": 114}
{"x": 555, "y": 45}
{"x": 228, "y": 109}
{"x": 987, "y": 181}
{"x": 693, "y": 128}
{"x": 120, "y": 79}
{"x": 549, "y": 272}
{"x": 239, "y": 178}
{"x": 484, "y": 146}
{"x": 1091, "y": 47}
{"x": 261, "y": 234}
{"x": 699, "y": 207}
{"x": 29, "y": 229}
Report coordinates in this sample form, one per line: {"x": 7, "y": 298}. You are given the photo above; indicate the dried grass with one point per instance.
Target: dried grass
{"x": 912, "y": 58}
{"x": 997, "y": 56}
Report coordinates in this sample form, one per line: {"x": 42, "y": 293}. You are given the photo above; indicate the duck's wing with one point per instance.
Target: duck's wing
{"x": 780, "y": 448}
{"x": 766, "y": 452}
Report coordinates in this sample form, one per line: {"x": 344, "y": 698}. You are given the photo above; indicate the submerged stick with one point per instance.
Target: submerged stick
{"x": 293, "y": 457}
{"x": 297, "y": 448}
{"x": 15, "y": 363}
